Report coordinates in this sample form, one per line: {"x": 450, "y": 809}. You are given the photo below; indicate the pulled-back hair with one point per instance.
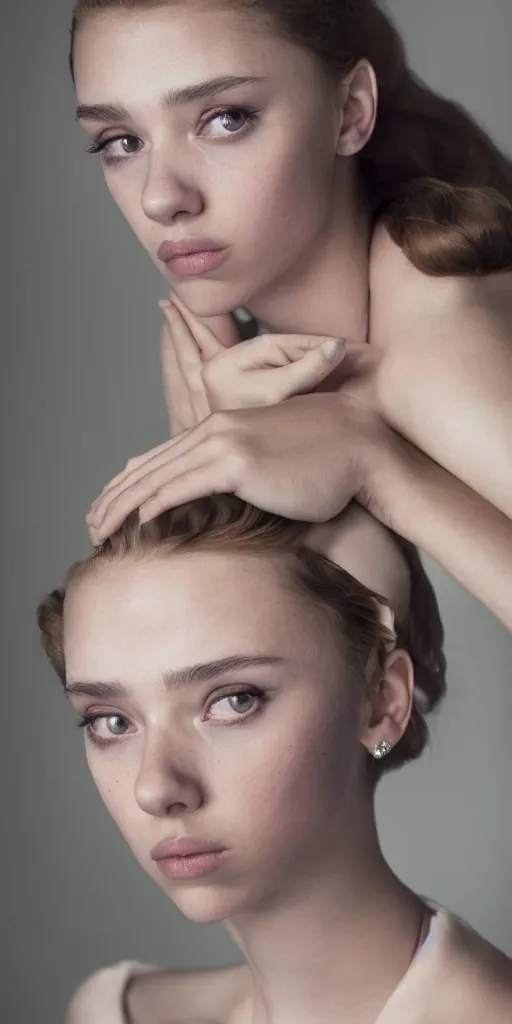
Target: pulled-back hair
{"x": 226, "y": 523}
{"x": 432, "y": 174}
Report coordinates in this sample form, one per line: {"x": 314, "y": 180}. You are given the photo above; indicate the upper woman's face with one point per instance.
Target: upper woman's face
{"x": 225, "y": 712}
{"x": 250, "y": 167}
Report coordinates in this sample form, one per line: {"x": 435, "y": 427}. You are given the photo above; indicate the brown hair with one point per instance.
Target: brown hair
{"x": 225, "y": 523}
{"x": 432, "y": 174}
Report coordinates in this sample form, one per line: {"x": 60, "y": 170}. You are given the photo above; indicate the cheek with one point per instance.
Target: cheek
{"x": 287, "y": 788}
{"x": 282, "y": 204}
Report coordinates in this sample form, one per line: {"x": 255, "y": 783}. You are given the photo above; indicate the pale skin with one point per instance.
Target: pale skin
{"x": 303, "y": 856}
{"x": 445, "y": 480}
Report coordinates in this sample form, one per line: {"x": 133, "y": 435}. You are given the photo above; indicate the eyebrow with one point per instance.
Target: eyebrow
{"x": 203, "y": 672}
{"x": 172, "y": 98}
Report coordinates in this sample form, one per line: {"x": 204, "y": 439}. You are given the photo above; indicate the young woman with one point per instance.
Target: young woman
{"x": 330, "y": 193}
{"x": 241, "y": 695}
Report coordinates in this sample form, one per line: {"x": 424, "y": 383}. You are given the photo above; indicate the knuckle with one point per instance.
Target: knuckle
{"x": 213, "y": 372}
{"x": 208, "y": 372}
{"x": 241, "y": 464}
{"x": 220, "y": 424}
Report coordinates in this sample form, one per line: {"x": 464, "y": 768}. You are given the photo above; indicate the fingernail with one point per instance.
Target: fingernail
{"x": 332, "y": 347}
{"x": 164, "y": 304}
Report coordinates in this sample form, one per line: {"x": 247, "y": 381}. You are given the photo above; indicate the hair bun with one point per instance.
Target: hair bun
{"x": 451, "y": 229}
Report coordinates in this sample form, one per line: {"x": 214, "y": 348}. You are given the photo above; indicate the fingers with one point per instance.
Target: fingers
{"x": 306, "y": 373}
{"x": 183, "y": 383}
{"x": 270, "y": 351}
{"x": 206, "y": 342}
{"x": 131, "y": 488}
{"x": 175, "y": 391}
{"x": 193, "y": 482}
{"x": 130, "y": 467}
{"x": 120, "y": 504}
{"x": 136, "y": 470}
{"x": 187, "y": 351}
{"x": 270, "y": 371}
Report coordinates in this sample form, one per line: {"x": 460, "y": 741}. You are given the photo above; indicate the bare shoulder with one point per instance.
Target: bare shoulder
{"x": 134, "y": 993}
{"x": 216, "y": 996}
{"x": 481, "y": 987}
{"x": 401, "y": 293}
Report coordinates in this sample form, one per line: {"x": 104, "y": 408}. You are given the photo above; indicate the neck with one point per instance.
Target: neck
{"x": 327, "y": 291}
{"x": 332, "y": 950}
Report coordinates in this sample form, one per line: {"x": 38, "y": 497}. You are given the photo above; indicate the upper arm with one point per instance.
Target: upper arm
{"x": 445, "y": 376}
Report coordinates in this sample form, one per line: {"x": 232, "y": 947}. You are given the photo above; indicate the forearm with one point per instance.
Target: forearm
{"x": 463, "y": 533}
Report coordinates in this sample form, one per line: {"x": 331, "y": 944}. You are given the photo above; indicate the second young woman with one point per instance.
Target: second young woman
{"x": 328, "y": 191}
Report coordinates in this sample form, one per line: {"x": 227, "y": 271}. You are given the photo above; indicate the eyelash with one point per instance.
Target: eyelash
{"x": 101, "y": 146}
{"x": 86, "y": 721}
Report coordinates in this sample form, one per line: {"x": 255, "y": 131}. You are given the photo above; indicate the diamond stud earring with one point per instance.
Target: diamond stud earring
{"x": 381, "y": 749}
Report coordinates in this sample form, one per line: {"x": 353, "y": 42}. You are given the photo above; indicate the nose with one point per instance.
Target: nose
{"x": 170, "y": 191}
{"x": 163, "y": 785}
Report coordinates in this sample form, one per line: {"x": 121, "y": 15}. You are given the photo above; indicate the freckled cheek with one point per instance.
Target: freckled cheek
{"x": 276, "y": 799}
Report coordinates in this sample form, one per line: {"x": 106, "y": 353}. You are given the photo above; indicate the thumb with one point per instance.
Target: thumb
{"x": 309, "y": 369}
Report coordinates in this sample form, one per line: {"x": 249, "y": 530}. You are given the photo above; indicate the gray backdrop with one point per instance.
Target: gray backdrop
{"x": 80, "y": 394}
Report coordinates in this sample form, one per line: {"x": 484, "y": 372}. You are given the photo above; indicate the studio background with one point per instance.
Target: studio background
{"x": 80, "y": 394}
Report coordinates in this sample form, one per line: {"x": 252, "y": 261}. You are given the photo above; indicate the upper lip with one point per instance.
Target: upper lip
{"x": 183, "y": 846}
{"x": 169, "y": 250}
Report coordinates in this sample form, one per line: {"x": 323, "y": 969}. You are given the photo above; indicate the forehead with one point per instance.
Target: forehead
{"x": 126, "y": 617}
{"x": 190, "y": 40}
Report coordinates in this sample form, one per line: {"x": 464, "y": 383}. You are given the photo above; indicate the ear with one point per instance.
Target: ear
{"x": 359, "y": 96}
{"x": 389, "y": 701}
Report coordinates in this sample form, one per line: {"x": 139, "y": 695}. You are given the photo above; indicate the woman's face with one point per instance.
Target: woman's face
{"x": 252, "y": 167}
{"x": 158, "y": 650}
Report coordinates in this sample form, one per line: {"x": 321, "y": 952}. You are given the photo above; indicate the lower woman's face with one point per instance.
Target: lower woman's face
{"x": 248, "y": 167}
{"x": 220, "y": 709}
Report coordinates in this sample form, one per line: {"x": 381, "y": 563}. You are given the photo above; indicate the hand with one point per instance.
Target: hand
{"x": 263, "y": 371}
{"x": 182, "y": 363}
{"x": 304, "y": 459}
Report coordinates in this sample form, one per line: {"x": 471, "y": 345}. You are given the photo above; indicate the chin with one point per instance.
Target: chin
{"x": 205, "y": 906}
{"x": 211, "y": 298}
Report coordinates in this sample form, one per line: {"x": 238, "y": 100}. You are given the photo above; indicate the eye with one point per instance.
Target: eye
{"x": 115, "y": 726}
{"x": 105, "y": 147}
{"x": 244, "y": 703}
{"x": 235, "y": 121}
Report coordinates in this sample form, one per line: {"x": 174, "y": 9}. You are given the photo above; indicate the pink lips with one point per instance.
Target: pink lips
{"x": 183, "y": 847}
{"x": 192, "y": 258}
{"x": 172, "y": 250}
{"x": 186, "y": 859}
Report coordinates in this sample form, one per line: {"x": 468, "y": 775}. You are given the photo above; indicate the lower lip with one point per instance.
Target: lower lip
{"x": 196, "y": 262}
{"x": 190, "y": 867}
